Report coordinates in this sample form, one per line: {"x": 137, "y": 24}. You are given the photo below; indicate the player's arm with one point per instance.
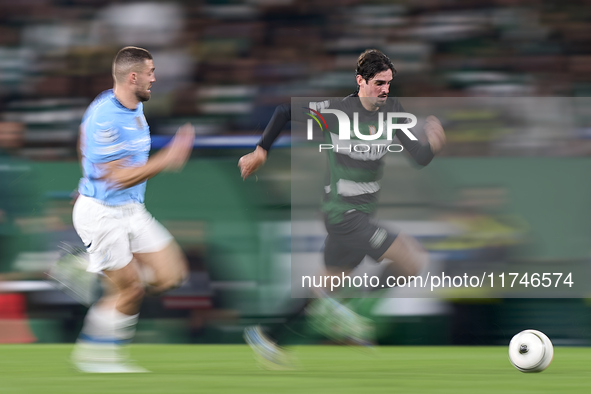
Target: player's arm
{"x": 172, "y": 157}
{"x": 123, "y": 176}
{"x": 251, "y": 162}
{"x": 435, "y": 134}
{"x": 422, "y": 154}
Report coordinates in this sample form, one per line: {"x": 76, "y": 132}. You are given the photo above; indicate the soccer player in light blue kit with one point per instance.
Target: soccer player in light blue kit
{"x": 124, "y": 242}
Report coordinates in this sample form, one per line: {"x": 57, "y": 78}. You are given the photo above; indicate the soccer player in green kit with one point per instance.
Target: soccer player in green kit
{"x": 351, "y": 194}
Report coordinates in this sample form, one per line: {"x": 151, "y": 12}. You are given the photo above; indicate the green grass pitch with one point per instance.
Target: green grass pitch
{"x": 323, "y": 369}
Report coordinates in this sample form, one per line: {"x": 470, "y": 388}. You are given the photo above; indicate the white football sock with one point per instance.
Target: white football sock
{"x": 104, "y": 324}
{"x": 124, "y": 325}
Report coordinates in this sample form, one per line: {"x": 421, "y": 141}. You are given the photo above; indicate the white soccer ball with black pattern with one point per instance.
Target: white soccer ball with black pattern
{"x": 531, "y": 351}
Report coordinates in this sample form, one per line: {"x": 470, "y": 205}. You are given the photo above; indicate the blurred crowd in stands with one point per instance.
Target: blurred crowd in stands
{"x": 225, "y": 64}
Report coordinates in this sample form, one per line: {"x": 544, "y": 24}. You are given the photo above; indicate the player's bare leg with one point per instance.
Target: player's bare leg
{"x": 166, "y": 268}
{"x": 128, "y": 288}
{"x": 406, "y": 256}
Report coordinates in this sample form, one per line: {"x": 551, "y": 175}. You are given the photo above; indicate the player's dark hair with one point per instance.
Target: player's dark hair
{"x": 372, "y": 62}
{"x": 127, "y": 59}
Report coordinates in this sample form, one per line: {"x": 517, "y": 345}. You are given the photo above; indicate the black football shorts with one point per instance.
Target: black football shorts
{"x": 357, "y": 236}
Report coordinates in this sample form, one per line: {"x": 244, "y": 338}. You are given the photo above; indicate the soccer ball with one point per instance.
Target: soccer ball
{"x": 531, "y": 351}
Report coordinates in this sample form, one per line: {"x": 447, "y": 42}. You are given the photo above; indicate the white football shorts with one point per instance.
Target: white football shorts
{"x": 112, "y": 234}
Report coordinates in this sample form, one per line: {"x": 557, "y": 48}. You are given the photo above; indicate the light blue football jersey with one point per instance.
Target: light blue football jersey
{"x": 110, "y": 131}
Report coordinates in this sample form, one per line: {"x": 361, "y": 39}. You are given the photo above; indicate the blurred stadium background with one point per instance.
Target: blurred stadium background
{"x": 519, "y": 194}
